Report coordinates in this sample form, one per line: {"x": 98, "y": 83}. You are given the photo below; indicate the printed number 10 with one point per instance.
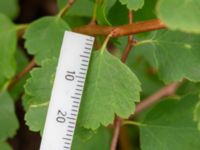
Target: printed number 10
{"x": 70, "y": 75}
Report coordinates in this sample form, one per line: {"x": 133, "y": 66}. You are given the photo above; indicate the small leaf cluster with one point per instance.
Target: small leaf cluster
{"x": 112, "y": 88}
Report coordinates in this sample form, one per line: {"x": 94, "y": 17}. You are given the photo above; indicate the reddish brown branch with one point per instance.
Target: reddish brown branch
{"x": 21, "y": 74}
{"x": 118, "y": 121}
{"x": 117, "y": 125}
{"x": 130, "y": 42}
{"x": 157, "y": 96}
{"x": 128, "y": 29}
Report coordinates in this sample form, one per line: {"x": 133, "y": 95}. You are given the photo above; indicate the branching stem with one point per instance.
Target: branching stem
{"x": 66, "y": 8}
{"x": 123, "y": 30}
{"x": 168, "y": 90}
{"x": 118, "y": 121}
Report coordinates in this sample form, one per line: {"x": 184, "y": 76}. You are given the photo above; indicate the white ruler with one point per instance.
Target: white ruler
{"x": 67, "y": 91}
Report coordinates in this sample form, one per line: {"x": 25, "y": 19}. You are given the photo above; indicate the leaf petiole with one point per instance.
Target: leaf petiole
{"x": 133, "y": 123}
{"x": 106, "y": 42}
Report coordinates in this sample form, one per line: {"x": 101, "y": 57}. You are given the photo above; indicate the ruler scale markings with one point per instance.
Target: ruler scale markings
{"x": 85, "y": 60}
{"x": 75, "y": 97}
{"x": 75, "y": 106}
{"x": 87, "y": 48}
{"x": 71, "y": 118}
{"x": 82, "y": 73}
{"x": 90, "y": 40}
{"x": 86, "y": 52}
{"x": 79, "y": 90}
{"x": 80, "y": 77}
{"x": 90, "y": 44}
{"x": 76, "y": 102}
{"x": 73, "y": 114}
{"x": 84, "y": 69}
{"x": 70, "y": 131}
{"x": 84, "y": 56}
{"x": 85, "y": 65}
{"x": 79, "y": 85}
{"x": 67, "y": 91}
{"x": 78, "y": 93}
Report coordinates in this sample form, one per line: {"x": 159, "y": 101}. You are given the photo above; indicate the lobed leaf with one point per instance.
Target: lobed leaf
{"x": 111, "y": 93}
{"x": 111, "y": 88}
{"x": 44, "y": 37}
{"x": 173, "y": 128}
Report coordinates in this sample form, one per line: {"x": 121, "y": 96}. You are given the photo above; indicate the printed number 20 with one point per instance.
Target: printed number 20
{"x": 61, "y": 116}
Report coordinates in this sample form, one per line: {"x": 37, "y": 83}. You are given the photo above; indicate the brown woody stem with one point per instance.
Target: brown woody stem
{"x": 118, "y": 121}
{"x": 128, "y": 29}
{"x": 168, "y": 90}
{"x": 21, "y": 74}
{"x": 117, "y": 125}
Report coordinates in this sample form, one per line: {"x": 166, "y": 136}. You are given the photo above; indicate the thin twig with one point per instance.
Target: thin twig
{"x": 130, "y": 42}
{"x": 168, "y": 90}
{"x": 117, "y": 125}
{"x": 93, "y": 20}
{"x": 66, "y": 8}
{"x": 118, "y": 121}
{"x": 128, "y": 29}
{"x": 21, "y": 74}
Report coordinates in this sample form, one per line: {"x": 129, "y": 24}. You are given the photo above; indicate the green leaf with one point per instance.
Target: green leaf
{"x": 150, "y": 81}
{"x": 36, "y": 123}
{"x": 122, "y": 82}
{"x": 38, "y": 87}
{"x": 177, "y": 55}
{"x": 44, "y": 37}
{"x": 133, "y": 4}
{"x": 180, "y": 14}
{"x": 147, "y": 12}
{"x": 9, "y": 8}
{"x": 37, "y": 94}
{"x": 83, "y": 8}
{"x": 103, "y": 8}
{"x": 8, "y": 42}
{"x": 111, "y": 88}
{"x": 118, "y": 14}
{"x": 8, "y": 120}
{"x": 169, "y": 126}
{"x": 35, "y": 116}
{"x": 197, "y": 113}
{"x": 99, "y": 141}
{"x": 22, "y": 62}
{"x": 5, "y": 146}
